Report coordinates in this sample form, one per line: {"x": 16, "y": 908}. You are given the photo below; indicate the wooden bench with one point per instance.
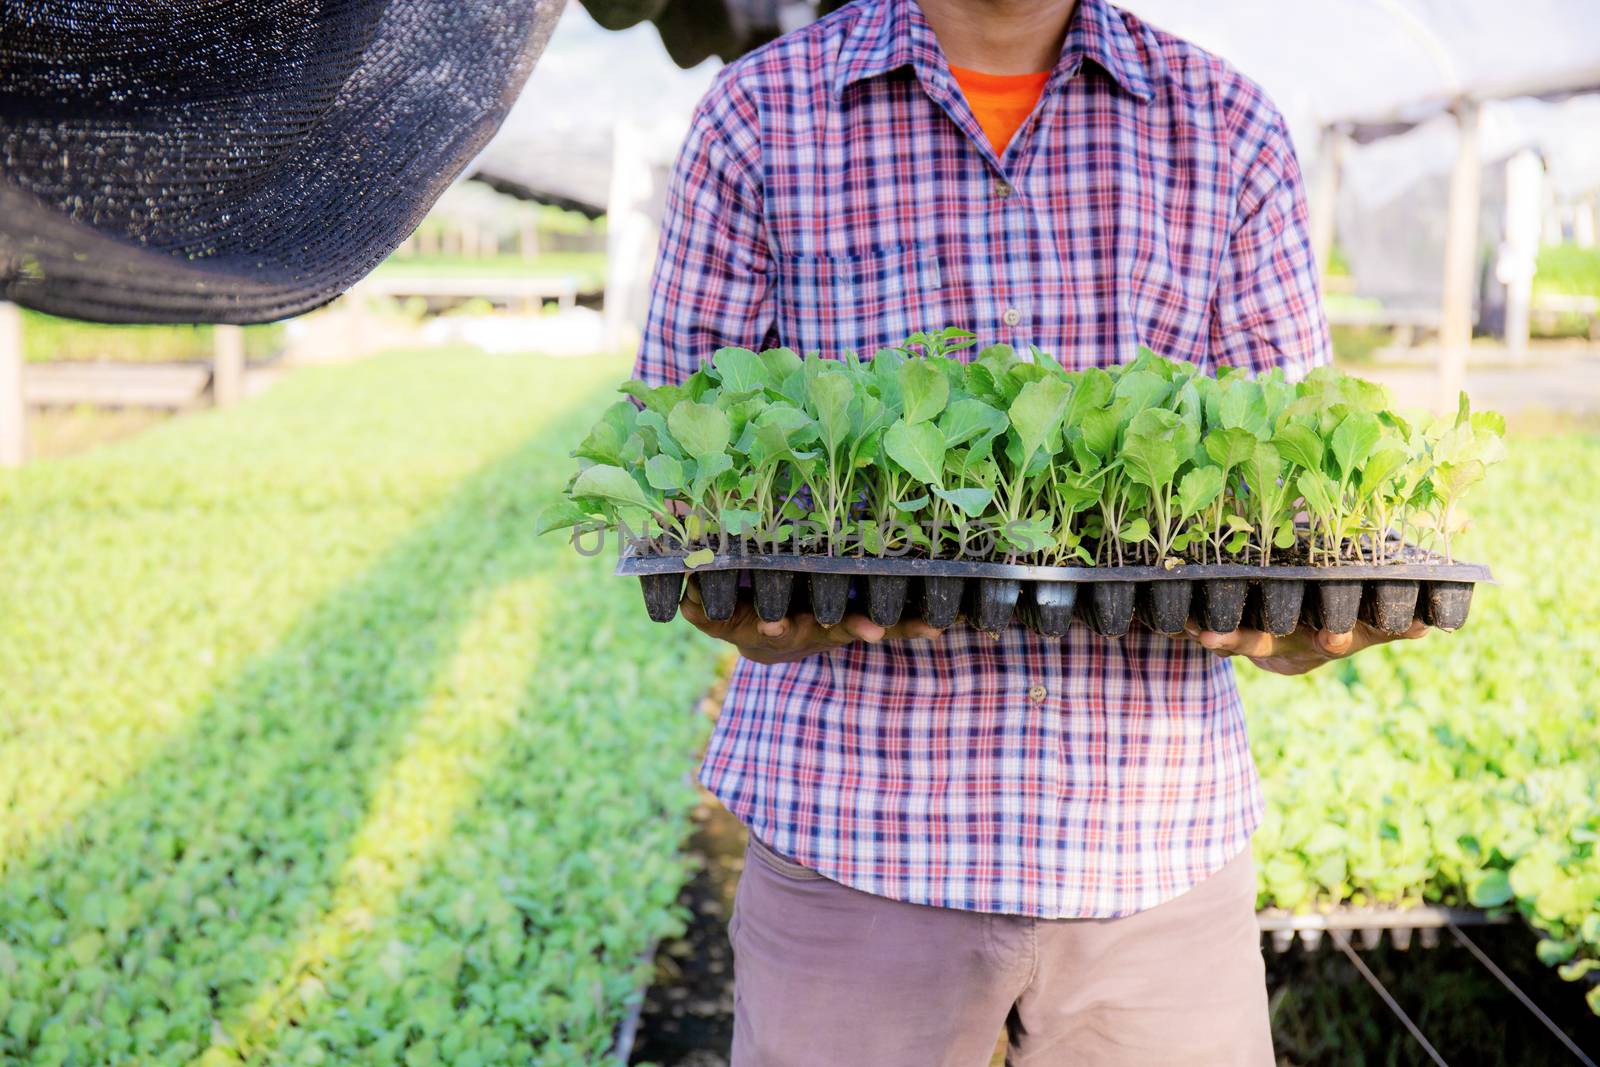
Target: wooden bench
{"x": 496, "y": 290}
{"x": 174, "y": 386}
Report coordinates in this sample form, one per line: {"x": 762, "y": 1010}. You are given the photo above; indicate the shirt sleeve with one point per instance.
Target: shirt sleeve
{"x": 1267, "y": 311}
{"x": 713, "y": 279}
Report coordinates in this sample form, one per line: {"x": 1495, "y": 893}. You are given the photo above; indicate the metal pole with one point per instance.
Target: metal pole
{"x": 1325, "y": 196}
{"x": 13, "y": 412}
{"x": 227, "y": 370}
{"x": 1460, "y": 258}
{"x": 1519, "y": 255}
{"x": 1343, "y": 942}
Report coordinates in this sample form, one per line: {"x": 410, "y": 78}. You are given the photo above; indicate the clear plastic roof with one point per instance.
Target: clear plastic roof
{"x": 1382, "y": 61}
{"x": 1374, "y": 62}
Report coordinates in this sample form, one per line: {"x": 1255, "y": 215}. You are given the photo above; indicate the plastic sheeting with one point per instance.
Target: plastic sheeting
{"x": 1391, "y": 60}
{"x": 1387, "y": 71}
{"x": 556, "y": 145}
{"x": 1389, "y": 66}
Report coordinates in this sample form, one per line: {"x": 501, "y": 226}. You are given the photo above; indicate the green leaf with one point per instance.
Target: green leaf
{"x": 659, "y": 399}
{"x": 1384, "y": 463}
{"x": 1300, "y": 445}
{"x": 741, "y": 370}
{"x": 707, "y": 470}
{"x": 1135, "y": 531}
{"x": 1230, "y": 447}
{"x": 970, "y": 501}
{"x": 1091, "y": 391}
{"x": 1037, "y": 412}
{"x": 559, "y": 516}
{"x": 1319, "y": 491}
{"x": 924, "y": 390}
{"x": 1150, "y": 460}
{"x": 1143, "y": 390}
{"x": 1492, "y": 889}
{"x": 664, "y": 472}
{"x": 1027, "y": 535}
{"x": 871, "y": 537}
{"x": 1579, "y": 969}
{"x": 614, "y": 484}
{"x": 1198, "y": 489}
{"x": 919, "y": 448}
{"x": 607, "y": 440}
{"x": 702, "y": 429}
{"x": 699, "y": 558}
{"x": 1453, "y": 479}
{"x": 1264, "y": 469}
{"x": 1098, "y": 431}
{"x": 1241, "y": 406}
{"x": 1551, "y": 951}
{"x": 780, "y": 363}
{"x": 1354, "y": 440}
{"x": 778, "y": 432}
{"x": 830, "y": 393}
{"x": 739, "y": 521}
{"x": 969, "y": 420}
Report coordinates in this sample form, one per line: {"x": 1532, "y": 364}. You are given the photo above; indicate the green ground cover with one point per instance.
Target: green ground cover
{"x": 1568, "y": 269}
{"x": 301, "y": 761}
{"x": 304, "y": 757}
{"x": 1465, "y": 768}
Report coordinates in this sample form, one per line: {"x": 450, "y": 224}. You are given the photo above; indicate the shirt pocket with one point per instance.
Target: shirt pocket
{"x": 860, "y": 301}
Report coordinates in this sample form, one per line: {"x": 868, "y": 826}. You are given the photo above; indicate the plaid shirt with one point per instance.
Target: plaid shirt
{"x": 836, "y": 192}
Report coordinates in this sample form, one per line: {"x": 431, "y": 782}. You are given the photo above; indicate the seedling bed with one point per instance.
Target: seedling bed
{"x": 990, "y": 596}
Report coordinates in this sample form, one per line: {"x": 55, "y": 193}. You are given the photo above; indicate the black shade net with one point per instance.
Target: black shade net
{"x": 236, "y": 161}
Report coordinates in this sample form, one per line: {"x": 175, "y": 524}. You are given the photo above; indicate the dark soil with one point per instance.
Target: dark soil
{"x": 1324, "y": 1014}
{"x": 688, "y": 1011}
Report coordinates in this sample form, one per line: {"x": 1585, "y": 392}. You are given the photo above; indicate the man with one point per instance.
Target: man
{"x": 951, "y": 834}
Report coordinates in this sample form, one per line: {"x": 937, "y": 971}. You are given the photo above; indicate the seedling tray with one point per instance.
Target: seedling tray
{"x": 1220, "y": 597}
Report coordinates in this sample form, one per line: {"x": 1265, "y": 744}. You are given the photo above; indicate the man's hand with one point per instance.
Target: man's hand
{"x": 1304, "y": 650}
{"x": 796, "y": 636}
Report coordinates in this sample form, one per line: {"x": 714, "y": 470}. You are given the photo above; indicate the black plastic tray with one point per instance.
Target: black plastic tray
{"x": 1219, "y": 597}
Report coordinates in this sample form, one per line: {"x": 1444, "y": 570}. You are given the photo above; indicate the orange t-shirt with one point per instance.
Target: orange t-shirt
{"x": 1000, "y": 102}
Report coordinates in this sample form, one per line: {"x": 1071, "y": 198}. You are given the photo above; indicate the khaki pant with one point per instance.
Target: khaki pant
{"x": 826, "y": 976}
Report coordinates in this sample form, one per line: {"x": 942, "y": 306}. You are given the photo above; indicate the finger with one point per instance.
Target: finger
{"x": 863, "y": 629}
{"x": 1192, "y": 632}
{"x": 775, "y": 630}
{"x": 1333, "y": 644}
{"x": 915, "y": 630}
{"x": 691, "y": 592}
{"x": 1417, "y": 629}
{"x": 1252, "y": 643}
{"x": 696, "y": 616}
{"x": 834, "y": 635}
{"x": 804, "y": 630}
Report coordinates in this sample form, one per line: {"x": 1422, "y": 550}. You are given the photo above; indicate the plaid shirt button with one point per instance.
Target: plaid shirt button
{"x": 1037, "y": 694}
{"x": 1012, "y": 317}
{"x": 1002, "y": 189}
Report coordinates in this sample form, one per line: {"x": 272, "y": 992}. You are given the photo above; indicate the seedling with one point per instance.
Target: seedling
{"x": 1017, "y": 459}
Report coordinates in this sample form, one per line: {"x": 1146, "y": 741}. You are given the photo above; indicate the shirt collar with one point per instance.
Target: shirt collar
{"x": 891, "y": 34}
